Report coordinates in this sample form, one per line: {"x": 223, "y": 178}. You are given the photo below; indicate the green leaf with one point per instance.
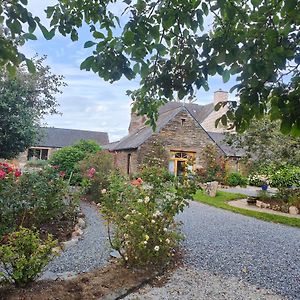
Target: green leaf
{"x": 25, "y": 2}
{"x": 89, "y": 44}
{"x": 136, "y": 68}
{"x": 98, "y": 35}
{"x": 224, "y": 120}
{"x": 128, "y": 38}
{"x": 226, "y": 76}
{"x": 205, "y": 8}
{"x": 87, "y": 63}
{"x": 256, "y": 3}
{"x": 29, "y": 36}
{"x": 30, "y": 66}
{"x": 47, "y": 34}
{"x": 144, "y": 70}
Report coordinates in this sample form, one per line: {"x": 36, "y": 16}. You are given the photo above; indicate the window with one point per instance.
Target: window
{"x": 180, "y": 162}
{"x": 37, "y": 153}
{"x": 128, "y": 162}
{"x": 182, "y": 121}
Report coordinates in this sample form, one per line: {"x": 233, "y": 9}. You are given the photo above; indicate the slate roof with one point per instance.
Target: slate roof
{"x": 166, "y": 114}
{"x": 219, "y": 139}
{"x": 60, "y": 137}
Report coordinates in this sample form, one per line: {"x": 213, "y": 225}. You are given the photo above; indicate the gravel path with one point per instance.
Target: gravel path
{"x": 90, "y": 252}
{"x": 232, "y": 245}
{"x": 192, "y": 284}
{"x": 230, "y": 256}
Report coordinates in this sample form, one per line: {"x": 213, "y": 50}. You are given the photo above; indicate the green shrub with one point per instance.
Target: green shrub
{"x": 285, "y": 177}
{"x": 144, "y": 229}
{"x": 234, "y": 179}
{"x": 102, "y": 162}
{"x": 37, "y": 163}
{"x": 67, "y": 158}
{"x": 24, "y": 256}
{"x": 32, "y": 199}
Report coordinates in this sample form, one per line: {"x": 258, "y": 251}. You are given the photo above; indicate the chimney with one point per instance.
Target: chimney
{"x": 136, "y": 122}
{"x": 220, "y": 96}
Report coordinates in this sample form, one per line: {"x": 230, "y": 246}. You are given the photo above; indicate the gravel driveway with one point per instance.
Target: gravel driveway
{"x": 230, "y": 256}
{"x": 90, "y": 252}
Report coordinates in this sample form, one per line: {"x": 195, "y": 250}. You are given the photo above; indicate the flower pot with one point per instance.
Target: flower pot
{"x": 264, "y": 187}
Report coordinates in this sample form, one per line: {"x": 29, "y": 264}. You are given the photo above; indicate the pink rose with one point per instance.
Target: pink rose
{"x": 18, "y": 173}
{"x": 2, "y": 174}
{"x": 91, "y": 173}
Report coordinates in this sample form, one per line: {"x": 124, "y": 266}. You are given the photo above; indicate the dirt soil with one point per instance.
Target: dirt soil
{"x": 105, "y": 283}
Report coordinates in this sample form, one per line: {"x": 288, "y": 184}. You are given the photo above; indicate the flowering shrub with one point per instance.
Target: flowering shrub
{"x": 23, "y": 256}
{"x": 31, "y": 198}
{"x": 67, "y": 159}
{"x": 286, "y": 176}
{"x": 95, "y": 170}
{"x": 145, "y": 232}
{"x": 215, "y": 166}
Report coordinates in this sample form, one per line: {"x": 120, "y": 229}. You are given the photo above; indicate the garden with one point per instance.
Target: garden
{"x": 40, "y": 209}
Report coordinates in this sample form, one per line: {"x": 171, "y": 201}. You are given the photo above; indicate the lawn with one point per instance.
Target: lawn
{"x": 222, "y": 198}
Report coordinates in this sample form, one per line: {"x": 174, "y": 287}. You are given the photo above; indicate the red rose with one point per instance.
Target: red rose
{"x": 18, "y": 173}
{"x": 2, "y": 174}
{"x": 62, "y": 174}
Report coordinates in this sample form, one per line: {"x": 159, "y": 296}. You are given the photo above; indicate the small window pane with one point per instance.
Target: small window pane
{"x": 171, "y": 167}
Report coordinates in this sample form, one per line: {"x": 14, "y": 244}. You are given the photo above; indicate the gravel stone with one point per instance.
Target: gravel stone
{"x": 232, "y": 245}
{"x": 90, "y": 252}
{"x": 192, "y": 284}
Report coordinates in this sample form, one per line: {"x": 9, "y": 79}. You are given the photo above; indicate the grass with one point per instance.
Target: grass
{"x": 221, "y": 199}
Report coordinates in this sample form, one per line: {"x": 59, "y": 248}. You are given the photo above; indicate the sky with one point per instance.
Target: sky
{"x": 89, "y": 102}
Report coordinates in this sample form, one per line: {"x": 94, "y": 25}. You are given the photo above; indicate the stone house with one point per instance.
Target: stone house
{"x": 184, "y": 130}
{"x": 52, "y": 139}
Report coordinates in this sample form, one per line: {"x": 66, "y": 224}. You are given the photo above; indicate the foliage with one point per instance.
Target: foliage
{"x": 155, "y": 155}
{"x": 36, "y": 163}
{"x": 290, "y": 196}
{"x": 221, "y": 199}
{"x": 24, "y": 256}
{"x": 32, "y": 198}
{"x": 95, "y": 183}
{"x": 235, "y": 178}
{"x": 174, "y": 49}
{"x": 266, "y": 146}
{"x": 24, "y": 100}
{"x": 286, "y": 177}
{"x": 67, "y": 158}
{"x": 145, "y": 232}
{"x": 215, "y": 166}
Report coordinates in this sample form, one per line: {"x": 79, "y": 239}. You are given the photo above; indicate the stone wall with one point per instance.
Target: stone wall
{"x": 182, "y": 133}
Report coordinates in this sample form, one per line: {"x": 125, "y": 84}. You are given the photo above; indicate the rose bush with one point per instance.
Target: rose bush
{"x": 142, "y": 217}
{"x": 32, "y": 198}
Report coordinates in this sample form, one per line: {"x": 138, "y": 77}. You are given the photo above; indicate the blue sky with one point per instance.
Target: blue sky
{"x": 89, "y": 102}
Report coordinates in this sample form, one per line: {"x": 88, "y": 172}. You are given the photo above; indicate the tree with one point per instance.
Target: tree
{"x": 170, "y": 45}
{"x": 266, "y": 145}
{"x": 24, "y": 100}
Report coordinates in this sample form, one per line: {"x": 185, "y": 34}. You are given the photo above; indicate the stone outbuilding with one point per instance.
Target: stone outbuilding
{"x": 183, "y": 129}
{"x": 51, "y": 139}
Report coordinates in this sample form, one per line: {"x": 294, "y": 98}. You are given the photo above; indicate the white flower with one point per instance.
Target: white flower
{"x": 146, "y": 237}
{"x": 168, "y": 241}
{"x": 156, "y": 248}
{"x": 103, "y": 191}
{"x": 140, "y": 201}
{"x": 147, "y": 199}
{"x": 152, "y": 221}
{"x": 156, "y": 214}
{"x": 133, "y": 211}
{"x": 165, "y": 229}
{"x": 145, "y": 242}
{"x": 126, "y": 217}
